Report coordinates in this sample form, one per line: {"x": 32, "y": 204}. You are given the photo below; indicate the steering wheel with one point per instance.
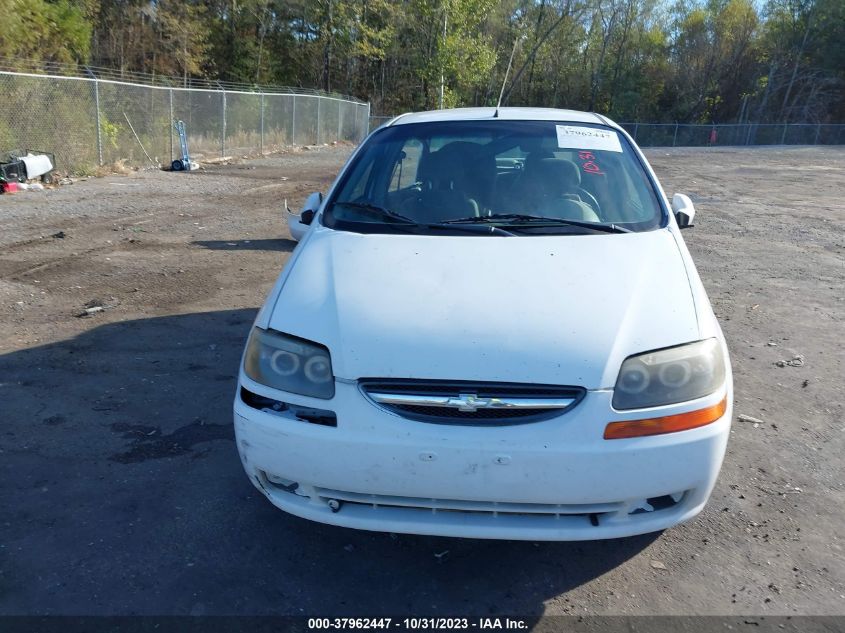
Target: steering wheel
{"x": 591, "y": 200}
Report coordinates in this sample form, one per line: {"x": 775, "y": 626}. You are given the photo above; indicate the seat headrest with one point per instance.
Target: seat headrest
{"x": 451, "y": 163}
{"x": 533, "y": 159}
{"x": 560, "y": 174}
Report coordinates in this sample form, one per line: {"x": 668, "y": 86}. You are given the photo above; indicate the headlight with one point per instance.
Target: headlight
{"x": 667, "y": 376}
{"x": 289, "y": 364}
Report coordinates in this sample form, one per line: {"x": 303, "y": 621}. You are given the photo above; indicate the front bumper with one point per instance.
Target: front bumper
{"x": 557, "y": 479}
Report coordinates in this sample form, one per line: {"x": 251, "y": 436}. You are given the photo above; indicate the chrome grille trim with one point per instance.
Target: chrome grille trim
{"x": 470, "y": 402}
{"x": 463, "y": 402}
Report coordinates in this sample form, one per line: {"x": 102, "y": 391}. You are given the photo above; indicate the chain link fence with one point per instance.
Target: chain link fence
{"x": 90, "y": 122}
{"x": 735, "y": 134}
{"x": 697, "y": 135}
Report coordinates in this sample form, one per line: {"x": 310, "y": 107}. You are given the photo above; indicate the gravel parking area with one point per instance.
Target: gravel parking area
{"x": 120, "y": 484}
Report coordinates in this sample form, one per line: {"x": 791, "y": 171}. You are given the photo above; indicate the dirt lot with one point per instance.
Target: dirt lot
{"x": 120, "y": 485}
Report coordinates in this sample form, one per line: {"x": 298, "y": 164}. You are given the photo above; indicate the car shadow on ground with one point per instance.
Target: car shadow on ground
{"x": 124, "y": 494}
{"x": 282, "y": 245}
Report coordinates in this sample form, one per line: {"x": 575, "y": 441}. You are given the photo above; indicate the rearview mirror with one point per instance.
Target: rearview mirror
{"x": 684, "y": 210}
{"x": 298, "y": 223}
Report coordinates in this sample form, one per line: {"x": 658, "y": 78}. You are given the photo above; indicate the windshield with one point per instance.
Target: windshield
{"x": 517, "y": 177}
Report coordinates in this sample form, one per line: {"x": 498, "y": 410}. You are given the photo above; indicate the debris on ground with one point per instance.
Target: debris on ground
{"x": 795, "y": 361}
{"x": 18, "y": 167}
{"x": 96, "y": 305}
{"x": 217, "y": 161}
{"x": 38, "y": 164}
{"x": 656, "y": 564}
{"x": 30, "y": 186}
{"x": 747, "y": 418}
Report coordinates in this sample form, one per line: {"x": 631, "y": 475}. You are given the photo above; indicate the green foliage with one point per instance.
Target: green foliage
{"x": 183, "y": 36}
{"x": 648, "y": 60}
{"x": 109, "y": 131}
{"x": 57, "y": 31}
{"x": 463, "y": 55}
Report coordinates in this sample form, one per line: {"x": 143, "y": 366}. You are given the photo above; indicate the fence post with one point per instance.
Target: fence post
{"x": 319, "y": 107}
{"x": 367, "y": 126}
{"x": 636, "y": 129}
{"x": 171, "y": 123}
{"x": 261, "y": 141}
{"x": 675, "y": 136}
{"x": 99, "y": 127}
{"x": 818, "y": 132}
{"x": 223, "y": 129}
{"x": 293, "y": 122}
{"x": 339, "y": 119}
{"x": 783, "y": 136}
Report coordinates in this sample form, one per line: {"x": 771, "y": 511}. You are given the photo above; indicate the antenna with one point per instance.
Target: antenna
{"x": 507, "y": 72}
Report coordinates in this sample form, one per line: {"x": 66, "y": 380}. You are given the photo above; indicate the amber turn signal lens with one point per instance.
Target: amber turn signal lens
{"x": 667, "y": 424}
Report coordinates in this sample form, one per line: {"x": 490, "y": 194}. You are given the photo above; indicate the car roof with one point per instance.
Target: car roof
{"x": 507, "y": 114}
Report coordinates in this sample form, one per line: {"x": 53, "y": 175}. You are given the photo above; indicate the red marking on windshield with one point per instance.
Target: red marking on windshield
{"x": 589, "y": 164}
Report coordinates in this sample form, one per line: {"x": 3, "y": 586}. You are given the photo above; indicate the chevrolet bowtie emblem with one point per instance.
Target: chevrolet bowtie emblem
{"x": 469, "y": 402}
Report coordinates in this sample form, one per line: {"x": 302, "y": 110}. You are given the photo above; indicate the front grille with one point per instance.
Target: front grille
{"x": 471, "y": 403}
{"x": 468, "y": 506}
{"x": 495, "y": 414}
{"x": 518, "y": 514}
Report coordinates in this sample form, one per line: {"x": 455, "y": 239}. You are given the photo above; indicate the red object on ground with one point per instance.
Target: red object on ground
{"x": 10, "y": 187}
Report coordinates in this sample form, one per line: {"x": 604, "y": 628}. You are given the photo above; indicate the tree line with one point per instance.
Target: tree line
{"x": 687, "y": 61}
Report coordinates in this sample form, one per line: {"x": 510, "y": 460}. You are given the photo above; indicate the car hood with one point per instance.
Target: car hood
{"x": 562, "y": 310}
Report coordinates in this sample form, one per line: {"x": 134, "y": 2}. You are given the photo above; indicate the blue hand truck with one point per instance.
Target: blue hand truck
{"x": 184, "y": 163}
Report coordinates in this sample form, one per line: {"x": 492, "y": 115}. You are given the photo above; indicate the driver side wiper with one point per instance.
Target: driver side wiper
{"x": 538, "y": 221}
{"x": 380, "y": 212}
{"x": 388, "y": 214}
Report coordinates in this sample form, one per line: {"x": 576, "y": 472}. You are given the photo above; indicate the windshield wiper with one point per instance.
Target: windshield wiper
{"x": 377, "y": 211}
{"x": 513, "y": 219}
{"x": 388, "y": 214}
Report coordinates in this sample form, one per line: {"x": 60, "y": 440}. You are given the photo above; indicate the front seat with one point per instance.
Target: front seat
{"x": 554, "y": 186}
{"x": 445, "y": 186}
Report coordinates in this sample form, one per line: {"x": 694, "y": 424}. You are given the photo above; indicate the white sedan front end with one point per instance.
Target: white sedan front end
{"x": 543, "y": 381}
{"x": 552, "y": 480}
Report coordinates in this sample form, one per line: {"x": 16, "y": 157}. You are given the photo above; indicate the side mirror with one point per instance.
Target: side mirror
{"x": 684, "y": 210}
{"x": 298, "y": 223}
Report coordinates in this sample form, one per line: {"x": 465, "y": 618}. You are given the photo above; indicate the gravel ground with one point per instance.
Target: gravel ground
{"x": 121, "y": 486}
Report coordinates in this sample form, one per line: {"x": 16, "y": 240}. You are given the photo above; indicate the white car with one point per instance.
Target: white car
{"x": 491, "y": 327}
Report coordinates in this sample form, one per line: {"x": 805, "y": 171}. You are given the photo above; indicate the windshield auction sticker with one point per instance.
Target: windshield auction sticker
{"x": 576, "y": 137}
